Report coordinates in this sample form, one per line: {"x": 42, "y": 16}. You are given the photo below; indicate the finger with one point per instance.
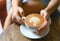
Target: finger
{"x": 21, "y": 12}
{"x": 45, "y": 24}
{"x": 19, "y": 19}
{"x": 44, "y": 27}
{"x": 13, "y": 19}
{"x": 41, "y": 30}
{"x": 43, "y": 13}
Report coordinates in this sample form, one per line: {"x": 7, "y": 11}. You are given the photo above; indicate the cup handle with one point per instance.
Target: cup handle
{"x": 23, "y": 18}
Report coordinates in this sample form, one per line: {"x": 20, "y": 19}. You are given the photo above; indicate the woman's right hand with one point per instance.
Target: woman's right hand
{"x": 17, "y": 14}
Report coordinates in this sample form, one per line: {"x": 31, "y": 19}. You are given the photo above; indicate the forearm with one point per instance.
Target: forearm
{"x": 17, "y": 2}
{"x": 52, "y": 6}
{"x": 8, "y": 21}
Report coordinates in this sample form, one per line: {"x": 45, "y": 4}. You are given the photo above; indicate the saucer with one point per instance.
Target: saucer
{"x": 29, "y": 34}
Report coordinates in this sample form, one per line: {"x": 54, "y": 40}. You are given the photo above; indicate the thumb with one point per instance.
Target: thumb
{"x": 43, "y": 13}
{"x": 44, "y": 25}
{"x": 41, "y": 29}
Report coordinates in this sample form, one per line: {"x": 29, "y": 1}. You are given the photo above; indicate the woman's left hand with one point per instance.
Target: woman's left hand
{"x": 47, "y": 22}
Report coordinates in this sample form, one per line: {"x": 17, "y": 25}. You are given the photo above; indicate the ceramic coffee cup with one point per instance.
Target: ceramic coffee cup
{"x": 33, "y": 21}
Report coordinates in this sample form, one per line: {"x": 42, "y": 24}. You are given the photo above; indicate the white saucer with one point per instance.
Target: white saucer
{"x": 29, "y": 34}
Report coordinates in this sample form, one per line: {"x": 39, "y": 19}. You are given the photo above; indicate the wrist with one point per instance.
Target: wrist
{"x": 16, "y": 3}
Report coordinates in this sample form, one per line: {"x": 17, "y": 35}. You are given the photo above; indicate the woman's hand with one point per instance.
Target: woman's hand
{"x": 17, "y": 14}
{"x": 47, "y": 22}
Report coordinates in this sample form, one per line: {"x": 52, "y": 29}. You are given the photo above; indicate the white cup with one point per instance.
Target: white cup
{"x": 33, "y": 29}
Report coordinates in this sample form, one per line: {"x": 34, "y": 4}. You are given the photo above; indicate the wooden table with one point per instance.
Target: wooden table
{"x": 12, "y": 33}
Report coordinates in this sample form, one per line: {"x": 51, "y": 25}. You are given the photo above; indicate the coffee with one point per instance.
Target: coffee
{"x": 34, "y": 20}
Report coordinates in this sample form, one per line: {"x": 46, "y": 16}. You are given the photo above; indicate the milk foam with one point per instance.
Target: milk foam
{"x": 34, "y": 20}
